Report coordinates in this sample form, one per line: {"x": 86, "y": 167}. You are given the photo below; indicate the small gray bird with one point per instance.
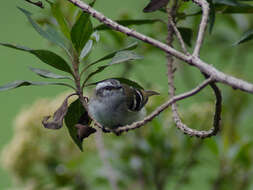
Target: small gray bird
{"x": 115, "y": 104}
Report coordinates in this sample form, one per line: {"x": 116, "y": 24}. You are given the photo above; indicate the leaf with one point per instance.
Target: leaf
{"x": 20, "y": 83}
{"x": 46, "y": 56}
{"x": 228, "y": 2}
{"x": 55, "y": 8}
{"x": 75, "y": 111}
{"x": 87, "y": 48}
{"x": 233, "y": 9}
{"x": 211, "y": 16}
{"x": 110, "y": 55}
{"x": 119, "y": 57}
{"x": 186, "y": 35}
{"x": 123, "y": 56}
{"x": 122, "y": 80}
{"x": 48, "y": 74}
{"x": 128, "y": 23}
{"x": 81, "y": 31}
{"x": 247, "y": 36}
{"x": 98, "y": 70}
{"x": 155, "y": 5}
{"x": 52, "y": 59}
{"x": 129, "y": 82}
{"x": 95, "y": 36}
{"x": 51, "y": 34}
{"x": 58, "y": 117}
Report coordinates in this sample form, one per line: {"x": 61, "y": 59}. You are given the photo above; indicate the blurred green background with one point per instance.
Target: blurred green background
{"x": 156, "y": 154}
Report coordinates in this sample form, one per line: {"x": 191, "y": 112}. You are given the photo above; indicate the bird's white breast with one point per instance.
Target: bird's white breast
{"x": 112, "y": 111}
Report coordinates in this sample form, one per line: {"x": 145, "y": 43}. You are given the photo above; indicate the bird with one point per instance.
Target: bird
{"x": 116, "y": 104}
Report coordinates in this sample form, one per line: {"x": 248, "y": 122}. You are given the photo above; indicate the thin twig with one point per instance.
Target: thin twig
{"x": 163, "y": 107}
{"x": 179, "y": 124}
{"x": 203, "y": 24}
{"x": 216, "y": 121}
{"x": 179, "y": 36}
{"x": 38, "y": 3}
{"x": 193, "y": 60}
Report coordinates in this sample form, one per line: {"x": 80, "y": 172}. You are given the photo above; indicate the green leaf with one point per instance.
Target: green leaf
{"x": 122, "y": 80}
{"x": 95, "y": 36}
{"x": 110, "y": 55}
{"x": 48, "y": 74}
{"x": 234, "y": 9}
{"x": 52, "y": 59}
{"x": 81, "y": 31}
{"x": 75, "y": 111}
{"x": 86, "y": 49}
{"x": 20, "y": 83}
{"x": 55, "y": 8}
{"x": 51, "y": 34}
{"x": 228, "y": 2}
{"x": 155, "y": 5}
{"x": 46, "y": 56}
{"x": 211, "y": 16}
{"x": 247, "y": 36}
{"x": 129, "y": 82}
{"x": 186, "y": 35}
{"x": 98, "y": 70}
{"x": 128, "y": 23}
{"x": 123, "y": 56}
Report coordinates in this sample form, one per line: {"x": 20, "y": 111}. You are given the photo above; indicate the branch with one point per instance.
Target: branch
{"x": 203, "y": 24}
{"x": 216, "y": 121}
{"x": 163, "y": 107}
{"x": 179, "y": 124}
{"x": 179, "y": 37}
{"x": 193, "y": 60}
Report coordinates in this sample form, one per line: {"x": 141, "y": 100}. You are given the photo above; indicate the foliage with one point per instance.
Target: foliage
{"x": 155, "y": 157}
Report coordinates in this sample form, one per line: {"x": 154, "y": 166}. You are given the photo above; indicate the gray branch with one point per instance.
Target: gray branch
{"x": 193, "y": 60}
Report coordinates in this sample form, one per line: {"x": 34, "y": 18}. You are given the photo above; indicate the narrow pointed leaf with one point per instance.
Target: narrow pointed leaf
{"x": 129, "y": 82}
{"x": 75, "y": 111}
{"x": 46, "y": 56}
{"x": 124, "y": 56}
{"x": 155, "y": 5}
{"x": 123, "y": 81}
{"x": 234, "y": 9}
{"x": 247, "y": 36}
{"x": 95, "y": 36}
{"x": 120, "y": 57}
{"x": 21, "y": 83}
{"x": 128, "y": 23}
{"x": 81, "y": 31}
{"x": 228, "y": 2}
{"x": 51, "y": 34}
{"x": 211, "y": 16}
{"x": 60, "y": 19}
{"x": 48, "y": 74}
{"x": 86, "y": 49}
{"x": 98, "y": 70}
{"x": 110, "y": 55}
{"x": 186, "y": 35}
{"x": 52, "y": 59}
